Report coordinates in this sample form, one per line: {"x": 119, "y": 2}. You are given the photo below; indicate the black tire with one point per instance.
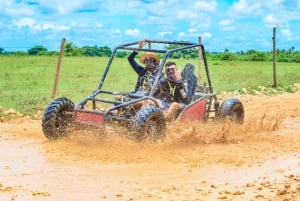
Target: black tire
{"x": 57, "y": 118}
{"x": 233, "y": 108}
{"x": 150, "y": 124}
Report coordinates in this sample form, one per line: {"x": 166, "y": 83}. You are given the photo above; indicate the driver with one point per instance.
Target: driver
{"x": 147, "y": 74}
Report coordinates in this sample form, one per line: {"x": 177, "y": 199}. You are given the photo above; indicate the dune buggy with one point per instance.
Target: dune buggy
{"x": 109, "y": 108}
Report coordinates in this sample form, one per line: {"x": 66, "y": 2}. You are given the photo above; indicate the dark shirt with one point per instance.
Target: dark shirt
{"x": 136, "y": 67}
{"x": 145, "y": 78}
{"x": 171, "y": 91}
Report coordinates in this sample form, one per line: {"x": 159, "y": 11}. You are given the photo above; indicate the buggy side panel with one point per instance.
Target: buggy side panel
{"x": 194, "y": 111}
{"x": 90, "y": 118}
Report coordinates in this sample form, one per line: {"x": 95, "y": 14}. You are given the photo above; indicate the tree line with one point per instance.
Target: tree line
{"x": 282, "y": 55}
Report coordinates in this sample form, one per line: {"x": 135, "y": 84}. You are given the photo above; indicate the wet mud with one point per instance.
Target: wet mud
{"x": 259, "y": 160}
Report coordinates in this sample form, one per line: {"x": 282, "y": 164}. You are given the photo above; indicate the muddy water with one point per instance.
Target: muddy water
{"x": 259, "y": 160}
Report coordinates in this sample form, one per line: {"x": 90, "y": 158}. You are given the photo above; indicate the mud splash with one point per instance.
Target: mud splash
{"x": 184, "y": 143}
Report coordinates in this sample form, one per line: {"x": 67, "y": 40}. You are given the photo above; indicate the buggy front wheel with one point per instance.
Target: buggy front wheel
{"x": 149, "y": 123}
{"x": 57, "y": 118}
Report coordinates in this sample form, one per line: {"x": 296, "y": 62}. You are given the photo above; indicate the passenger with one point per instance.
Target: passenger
{"x": 171, "y": 94}
{"x": 147, "y": 74}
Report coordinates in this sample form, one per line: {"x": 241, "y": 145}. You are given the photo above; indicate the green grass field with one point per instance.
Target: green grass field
{"x": 27, "y": 81}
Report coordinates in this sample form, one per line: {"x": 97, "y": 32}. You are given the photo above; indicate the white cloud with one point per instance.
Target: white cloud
{"x": 154, "y": 20}
{"x": 192, "y": 33}
{"x": 26, "y": 22}
{"x": 133, "y": 4}
{"x": 206, "y": 35}
{"x": 62, "y": 10}
{"x": 59, "y": 7}
{"x": 246, "y": 7}
{"x": 205, "y": 6}
{"x": 162, "y": 34}
{"x": 10, "y": 8}
{"x": 271, "y": 20}
{"x": 186, "y": 15}
{"x": 225, "y": 22}
{"x": 192, "y": 30}
{"x": 226, "y": 25}
{"x": 132, "y": 32}
{"x": 170, "y": 19}
{"x": 286, "y": 33}
{"x": 181, "y": 35}
{"x": 116, "y": 31}
{"x": 48, "y": 26}
{"x": 54, "y": 27}
{"x": 29, "y": 22}
{"x": 229, "y": 28}
{"x": 98, "y": 24}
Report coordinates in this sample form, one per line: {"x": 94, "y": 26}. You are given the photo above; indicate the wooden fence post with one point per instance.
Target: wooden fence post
{"x": 274, "y": 58}
{"x": 57, "y": 73}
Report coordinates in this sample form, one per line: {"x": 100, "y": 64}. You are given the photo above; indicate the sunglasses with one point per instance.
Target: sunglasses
{"x": 149, "y": 60}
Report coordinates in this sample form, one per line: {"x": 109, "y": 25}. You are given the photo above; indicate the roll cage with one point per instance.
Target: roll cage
{"x": 134, "y": 97}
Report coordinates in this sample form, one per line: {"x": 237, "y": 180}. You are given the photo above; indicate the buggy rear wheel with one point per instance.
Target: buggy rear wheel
{"x": 57, "y": 118}
{"x": 149, "y": 123}
{"x": 232, "y": 108}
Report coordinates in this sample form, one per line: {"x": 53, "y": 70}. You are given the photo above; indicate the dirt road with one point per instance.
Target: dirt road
{"x": 259, "y": 160}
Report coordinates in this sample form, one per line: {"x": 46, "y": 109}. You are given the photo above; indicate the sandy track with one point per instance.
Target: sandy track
{"x": 257, "y": 161}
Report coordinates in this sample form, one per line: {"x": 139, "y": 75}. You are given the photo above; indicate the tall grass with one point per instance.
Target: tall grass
{"x": 26, "y": 82}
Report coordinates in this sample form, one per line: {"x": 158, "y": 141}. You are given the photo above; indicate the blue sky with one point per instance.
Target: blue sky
{"x": 232, "y": 24}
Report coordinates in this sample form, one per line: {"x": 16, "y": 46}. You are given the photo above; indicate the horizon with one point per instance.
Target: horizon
{"x": 234, "y": 25}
